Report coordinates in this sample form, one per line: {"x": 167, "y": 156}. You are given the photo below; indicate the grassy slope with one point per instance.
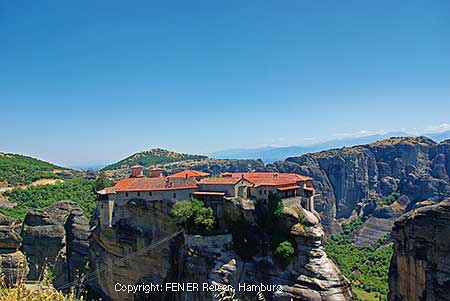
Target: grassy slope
{"x": 18, "y": 170}
{"x": 367, "y": 268}
{"x": 152, "y": 157}
{"x": 79, "y": 190}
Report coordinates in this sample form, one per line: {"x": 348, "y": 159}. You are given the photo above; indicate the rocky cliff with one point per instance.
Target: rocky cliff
{"x": 420, "y": 266}
{"x": 142, "y": 225}
{"x": 212, "y": 259}
{"x": 351, "y": 180}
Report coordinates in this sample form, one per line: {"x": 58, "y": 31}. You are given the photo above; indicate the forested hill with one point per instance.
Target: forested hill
{"x": 19, "y": 170}
{"x": 153, "y": 157}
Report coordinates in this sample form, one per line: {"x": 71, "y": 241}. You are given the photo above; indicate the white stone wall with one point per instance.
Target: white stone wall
{"x": 117, "y": 209}
{"x": 262, "y": 192}
{"x": 105, "y": 210}
{"x": 227, "y": 188}
{"x": 167, "y": 195}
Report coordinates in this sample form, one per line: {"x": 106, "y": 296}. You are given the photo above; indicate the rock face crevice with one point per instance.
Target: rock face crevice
{"x": 56, "y": 237}
{"x": 13, "y": 263}
{"x": 420, "y": 266}
{"x": 140, "y": 227}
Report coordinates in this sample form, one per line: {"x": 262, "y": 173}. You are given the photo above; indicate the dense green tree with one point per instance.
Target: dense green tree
{"x": 193, "y": 215}
{"x": 284, "y": 250}
{"x": 244, "y": 235}
{"x": 102, "y": 181}
{"x": 276, "y": 206}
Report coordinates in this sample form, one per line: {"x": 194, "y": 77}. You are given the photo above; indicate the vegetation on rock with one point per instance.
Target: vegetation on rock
{"x": 79, "y": 190}
{"x": 194, "y": 216}
{"x": 244, "y": 238}
{"x": 284, "y": 250}
{"x": 276, "y": 206}
{"x": 102, "y": 181}
{"x": 152, "y": 157}
{"x": 388, "y": 200}
{"x": 19, "y": 170}
{"x": 366, "y": 268}
{"x": 42, "y": 290}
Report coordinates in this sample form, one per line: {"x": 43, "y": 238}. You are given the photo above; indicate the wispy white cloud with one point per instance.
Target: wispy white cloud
{"x": 438, "y": 128}
{"x": 361, "y": 133}
{"x": 311, "y": 139}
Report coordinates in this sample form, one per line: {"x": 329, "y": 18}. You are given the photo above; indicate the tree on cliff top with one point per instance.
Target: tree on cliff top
{"x": 284, "y": 250}
{"x": 193, "y": 215}
{"x": 102, "y": 181}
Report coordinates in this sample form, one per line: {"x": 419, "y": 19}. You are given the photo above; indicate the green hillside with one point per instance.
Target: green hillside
{"x": 18, "y": 170}
{"x": 153, "y": 157}
{"x": 79, "y": 190}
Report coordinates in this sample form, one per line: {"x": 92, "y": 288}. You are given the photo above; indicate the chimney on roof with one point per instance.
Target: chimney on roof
{"x": 156, "y": 172}
{"x": 137, "y": 171}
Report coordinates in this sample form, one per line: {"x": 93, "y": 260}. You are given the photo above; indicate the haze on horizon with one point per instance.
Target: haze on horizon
{"x": 91, "y": 82}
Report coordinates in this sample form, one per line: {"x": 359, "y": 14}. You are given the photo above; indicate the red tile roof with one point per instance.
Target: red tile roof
{"x": 188, "y": 173}
{"x": 154, "y": 184}
{"x": 271, "y": 178}
{"x": 219, "y": 181}
{"x": 179, "y": 181}
{"x": 209, "y": 193}
{"x": 107, "y": 190}
{"x": 284, "y": 188}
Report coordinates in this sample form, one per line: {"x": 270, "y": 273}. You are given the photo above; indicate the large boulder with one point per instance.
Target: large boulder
{"x": 43, "y": 240}
{"x": 56, "y": 237}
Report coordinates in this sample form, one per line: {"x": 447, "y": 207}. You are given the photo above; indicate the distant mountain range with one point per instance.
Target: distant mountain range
{"x": 272, "y": 154}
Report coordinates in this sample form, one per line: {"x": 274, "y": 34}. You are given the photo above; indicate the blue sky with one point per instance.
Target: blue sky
{"x": 86, "y": 82}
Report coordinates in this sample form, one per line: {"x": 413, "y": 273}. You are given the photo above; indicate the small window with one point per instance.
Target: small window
{"x": 190, "y": 195}
{"x": 174, "y": 195}
{"x": 260, "y": 192}
{"x": 126, "y": 194}
{"x": 150, "y": 193}
{"x": 265, "y": 191}
{"x": 138, "y": 194}
{"x": 101, "y": 206}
